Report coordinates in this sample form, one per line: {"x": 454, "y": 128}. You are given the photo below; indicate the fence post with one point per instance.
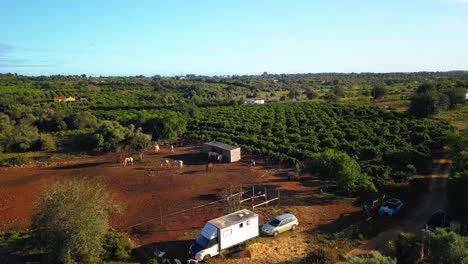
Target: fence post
{"x": 253, "y": 195}
{"x": 266, "y": 197}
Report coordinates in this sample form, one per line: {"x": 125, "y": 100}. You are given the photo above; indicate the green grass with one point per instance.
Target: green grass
{"x": 457, "y": 117}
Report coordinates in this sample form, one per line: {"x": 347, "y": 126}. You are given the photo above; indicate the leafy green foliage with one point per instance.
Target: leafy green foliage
{"x": 321, "y": 255}
{"x": 15, "y": 161}
{"x": 111, "y": 135}
{"x": 341, "y": 168}
{"x": 117, "y": 247}
{"x": 72, "y": 223}
{"x": 445, "y": 247}
{"x": 376, "y": 258}
{"x": 407, "y": 248}
{"x": 458, "y": 179}
{"x": 431, "y": 98}
{"x": 379, "y": 91}
{"x": 291, "y": 133}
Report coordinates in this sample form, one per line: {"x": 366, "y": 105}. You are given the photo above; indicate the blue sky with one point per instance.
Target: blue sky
{"x": 214, "y": 37}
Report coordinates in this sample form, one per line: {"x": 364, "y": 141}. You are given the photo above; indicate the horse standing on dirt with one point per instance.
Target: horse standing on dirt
{"x": 178, "y": 164}
{"x": 209, "y": 167}
{"x": 172, "y": 148}
{"x": 164, "y": 163}
{"x": 156, "y": 148}
{"x": 128, "y": 160}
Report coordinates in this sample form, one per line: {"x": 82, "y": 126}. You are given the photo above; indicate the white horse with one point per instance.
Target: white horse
{"x": 128, "y": 160}
{"x": 164, "y": 163}
{"x": 156, "y": 148}
{"x": 212, "y": 155}
{"x": 178, "y": 164}
{"x": 172, "y": 148}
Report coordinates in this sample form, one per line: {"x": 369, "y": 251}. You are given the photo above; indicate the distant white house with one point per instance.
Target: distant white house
{"x": 255, "y": 101}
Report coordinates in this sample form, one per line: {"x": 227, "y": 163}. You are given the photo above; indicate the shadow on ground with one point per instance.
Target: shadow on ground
{"x": 177, "y": 249}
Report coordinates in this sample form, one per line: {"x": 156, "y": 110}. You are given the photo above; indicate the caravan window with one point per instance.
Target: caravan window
{"x": 227, "y": 233}
{"x": 241, "y": 225}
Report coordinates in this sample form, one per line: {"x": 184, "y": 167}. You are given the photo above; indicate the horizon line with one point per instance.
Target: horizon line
{"x": 225, "y": 75}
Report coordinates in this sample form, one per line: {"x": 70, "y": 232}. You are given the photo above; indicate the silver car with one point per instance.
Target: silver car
{"x": 280, "y": 224}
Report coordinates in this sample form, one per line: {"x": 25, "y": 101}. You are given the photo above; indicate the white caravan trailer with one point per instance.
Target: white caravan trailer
{"x": 223, "y": 233}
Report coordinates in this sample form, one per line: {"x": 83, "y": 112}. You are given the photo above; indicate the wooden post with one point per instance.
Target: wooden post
{"x": 253, "y": 195}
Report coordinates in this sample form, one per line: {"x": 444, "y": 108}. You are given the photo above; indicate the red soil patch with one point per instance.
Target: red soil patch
{"x": 145, "y": 190}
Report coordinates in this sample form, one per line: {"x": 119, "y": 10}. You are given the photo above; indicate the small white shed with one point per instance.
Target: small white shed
{"x": 230, "y": 153}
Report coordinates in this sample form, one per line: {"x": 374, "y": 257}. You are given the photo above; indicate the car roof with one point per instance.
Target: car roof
{"x": 284, "y": 216}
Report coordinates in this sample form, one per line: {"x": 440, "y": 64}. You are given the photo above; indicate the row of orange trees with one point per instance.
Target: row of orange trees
{"x": 384, "y": 143}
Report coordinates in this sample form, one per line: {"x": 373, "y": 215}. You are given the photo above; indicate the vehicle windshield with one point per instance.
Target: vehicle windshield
{"x": 202, "y": 241}
{"x": 275, "y": 222}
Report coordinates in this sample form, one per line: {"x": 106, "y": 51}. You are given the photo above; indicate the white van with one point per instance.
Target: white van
{"x": 223, "y": 233}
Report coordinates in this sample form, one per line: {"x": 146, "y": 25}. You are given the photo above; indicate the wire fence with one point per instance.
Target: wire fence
{"x": 230, "y": 200}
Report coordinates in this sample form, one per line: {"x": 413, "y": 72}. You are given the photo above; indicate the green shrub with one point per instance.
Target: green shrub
{"x": 445, "y": 247}
{"x": 407, "y": 248}
{"x": 45, "y": 143}
{"x": 322, "y": 256}
{"x": 117, "y": 246}
{"x": 15, "y": 161}
{"x": 400, "y": 176}
{"x": 376, "y": 258}
{"x": 152, "y": 261}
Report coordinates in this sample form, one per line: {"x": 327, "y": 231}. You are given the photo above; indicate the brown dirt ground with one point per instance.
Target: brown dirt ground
{"x": 145, "y": 191}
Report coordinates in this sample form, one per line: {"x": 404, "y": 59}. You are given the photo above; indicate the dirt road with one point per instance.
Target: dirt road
{"x": 434, "y": 198}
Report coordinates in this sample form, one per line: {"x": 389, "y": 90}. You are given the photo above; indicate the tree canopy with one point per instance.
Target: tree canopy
{"x": 73, "y": 220}
{"x": 340, "y": 167}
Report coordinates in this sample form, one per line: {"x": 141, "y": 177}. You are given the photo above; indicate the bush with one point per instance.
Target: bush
{"x": 376, "y": 258}
{"x": 407, "y": 248}
{"x": 340, "y": 167}
{"x": 400, "y": 176}
{"x": 152, "y": 261}
{"x": 117, "y": 247}
{"x": 45, "y": 143}
{"x": 15, "y": 161}
{"x": 322, "y": 256}
{"x": 444, "y": 247}
{"x": 73, "y": 221}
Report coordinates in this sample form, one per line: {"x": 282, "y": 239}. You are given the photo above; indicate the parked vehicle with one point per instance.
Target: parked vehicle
{"x": 223, "y": 233}
{"x": 391, "y": 207}
{"x": 439, "y": 219}
{"x": 280, "y": 224}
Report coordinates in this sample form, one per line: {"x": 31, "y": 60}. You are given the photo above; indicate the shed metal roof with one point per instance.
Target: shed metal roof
{"x": 221, "y": 145}
{"x": 233, "y": 218}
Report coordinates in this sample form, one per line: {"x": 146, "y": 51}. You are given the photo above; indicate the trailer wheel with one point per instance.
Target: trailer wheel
{"x": 241, "y": 246}
{"x": 275, "y": 234}
{"x": 207, "y": 257}
{"x": 293, "y": 227}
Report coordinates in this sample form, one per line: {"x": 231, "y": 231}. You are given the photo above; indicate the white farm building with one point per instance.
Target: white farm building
{"x": 229, "y": 153}
{"x": 255, "y": 101}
